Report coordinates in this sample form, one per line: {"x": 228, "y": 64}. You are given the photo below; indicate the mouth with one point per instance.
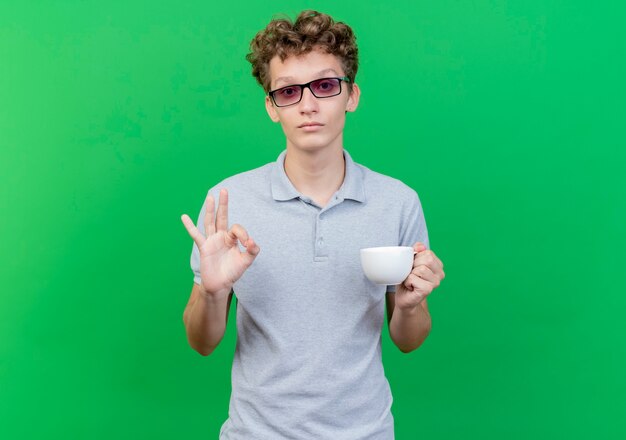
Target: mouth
{"x": 310, "y": 125}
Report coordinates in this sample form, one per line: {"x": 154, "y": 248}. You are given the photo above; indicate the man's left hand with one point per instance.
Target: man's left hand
{"x": 426, "y": 276}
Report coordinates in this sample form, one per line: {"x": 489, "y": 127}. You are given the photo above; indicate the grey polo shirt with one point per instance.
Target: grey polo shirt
{"x": 307, "y": 362}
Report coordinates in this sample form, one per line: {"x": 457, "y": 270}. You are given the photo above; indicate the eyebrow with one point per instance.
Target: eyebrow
{"x": 288, "y": 80}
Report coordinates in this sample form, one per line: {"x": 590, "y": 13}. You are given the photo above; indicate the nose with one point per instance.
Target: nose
{"x": 308, "y": 103}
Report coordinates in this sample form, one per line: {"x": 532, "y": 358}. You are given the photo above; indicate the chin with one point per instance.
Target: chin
{"x": 313, "y": 144}
{"x": 307, "y": 144}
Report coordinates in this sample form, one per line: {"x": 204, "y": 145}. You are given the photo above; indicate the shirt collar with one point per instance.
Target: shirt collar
{"x": 351, "y": 188}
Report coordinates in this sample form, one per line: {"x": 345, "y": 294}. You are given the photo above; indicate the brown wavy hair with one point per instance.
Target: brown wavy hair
{"x": 311, "y": 30}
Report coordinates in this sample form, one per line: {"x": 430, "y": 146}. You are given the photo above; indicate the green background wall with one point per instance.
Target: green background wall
{"x": 506, "y": 116}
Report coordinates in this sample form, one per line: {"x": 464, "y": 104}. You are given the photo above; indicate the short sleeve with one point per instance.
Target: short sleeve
{"x": 413, "y": 226}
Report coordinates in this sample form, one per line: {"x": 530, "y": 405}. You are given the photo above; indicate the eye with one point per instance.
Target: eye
{"x": 287, "y": 91}
{"x": 326, "y": 85}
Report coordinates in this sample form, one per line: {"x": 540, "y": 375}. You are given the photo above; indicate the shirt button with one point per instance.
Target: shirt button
{"x": 320, "y": 241}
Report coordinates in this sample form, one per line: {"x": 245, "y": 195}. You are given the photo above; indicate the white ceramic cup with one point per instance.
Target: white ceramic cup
{"x": 389, "y": 265}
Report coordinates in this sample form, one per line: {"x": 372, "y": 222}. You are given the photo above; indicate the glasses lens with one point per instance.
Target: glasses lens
{"x": 287, "y": 95}
{"x": 325, "y": 87}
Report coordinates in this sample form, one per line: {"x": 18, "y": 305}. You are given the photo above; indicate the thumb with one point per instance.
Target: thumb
{"x": 419, "y": 247}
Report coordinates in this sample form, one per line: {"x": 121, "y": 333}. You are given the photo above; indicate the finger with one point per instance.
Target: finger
{"x": 425, "y": 273}
{"x": 209, "y": 216}
{"x": 222, "y": 211}
{"x": 197, "y": 237}
{"x": 413, "y": 282}
{"x": 237, "y": 232}
{"x": 428, "y": 258}
{"x": 419, "y": 247}
{"x": 252, "y": 250}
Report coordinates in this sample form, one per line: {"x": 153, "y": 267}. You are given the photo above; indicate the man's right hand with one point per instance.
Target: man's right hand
{"x": 221, "y": 261}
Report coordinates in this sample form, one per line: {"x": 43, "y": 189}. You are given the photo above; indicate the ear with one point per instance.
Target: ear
{"x": 271, "y": 110}
{"x": 353, "y": 99}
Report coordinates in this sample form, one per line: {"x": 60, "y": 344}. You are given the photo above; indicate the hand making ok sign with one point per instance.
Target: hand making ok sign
{"x": 221, "y": 261}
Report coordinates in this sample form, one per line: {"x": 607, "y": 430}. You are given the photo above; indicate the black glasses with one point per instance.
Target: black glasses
{"x": 320, "y": 88}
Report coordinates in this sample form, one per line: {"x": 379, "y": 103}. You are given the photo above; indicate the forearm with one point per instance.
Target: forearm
{"x": 205, "y": 322}
{"x": 409, "y": 328}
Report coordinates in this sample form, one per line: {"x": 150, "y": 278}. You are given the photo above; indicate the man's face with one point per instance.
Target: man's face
{"x": 313, "y": 123}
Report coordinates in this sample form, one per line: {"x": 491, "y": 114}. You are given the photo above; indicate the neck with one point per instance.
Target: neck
{"x": 317, "y": 174}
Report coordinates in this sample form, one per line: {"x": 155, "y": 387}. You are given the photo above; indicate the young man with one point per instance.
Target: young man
{"x": 285, "y": 239}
